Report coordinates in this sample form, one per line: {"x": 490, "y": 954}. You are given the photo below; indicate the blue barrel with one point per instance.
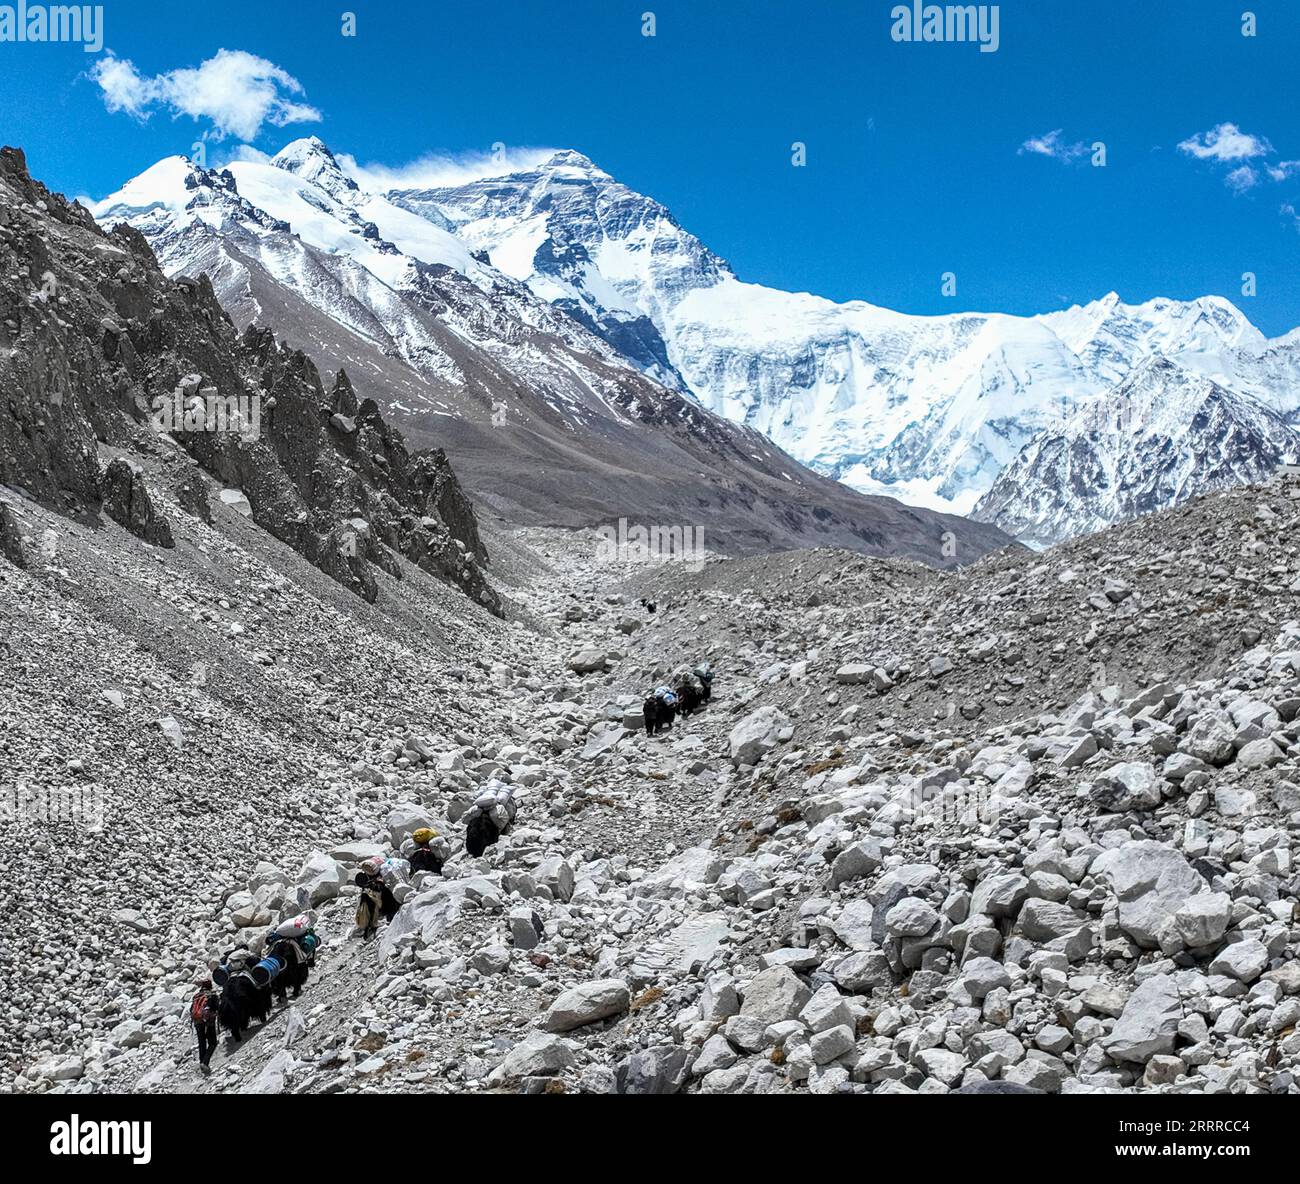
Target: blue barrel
{"x": 267, "y": 971}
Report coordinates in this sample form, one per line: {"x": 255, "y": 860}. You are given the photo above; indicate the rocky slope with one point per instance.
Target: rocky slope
{"x": 1030, "y": 823}
{"x": 101, "y": 352}
{"x": 547, "y": 422}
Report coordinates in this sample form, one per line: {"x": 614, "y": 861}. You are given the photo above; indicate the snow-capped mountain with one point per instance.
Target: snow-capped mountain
{"x": 929, "y": 409}
{"x": 379, "y": 271}
{"x": 614, "y": 259}
{"x": 546, "y": 420}
{"x": 1163, "y": 435}
{"x": 558, "y": 281}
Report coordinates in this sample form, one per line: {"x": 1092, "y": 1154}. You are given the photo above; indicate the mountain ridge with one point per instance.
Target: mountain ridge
{"x": 548, "y": 423}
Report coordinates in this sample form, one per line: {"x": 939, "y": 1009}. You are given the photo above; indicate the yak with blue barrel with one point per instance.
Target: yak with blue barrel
{"x": 242, "y": 999}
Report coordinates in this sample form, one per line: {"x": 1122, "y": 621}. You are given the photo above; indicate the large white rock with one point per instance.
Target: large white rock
{"x": 695, "y": 865}
{"x": 587, "y": 1003}
{"x": 237, "y": 501}
{"x": 540, "y": 1054}
{"x": 999, "y": 895}
{"x": 321, "y": 877}
{"x": 1210, "y": 738}
{"x": 1131, "y": 785}
{"x": 1149, "y": 1023}
{"x": 854, "y": 925}
{"x": 588, "y": 659}
{"x": 1204, "y": 918}
{"x": 756, "y": 735}
{"x": 56, "y": 1068}
{"x": 774, "y": 995}
{"x": 1244, "y": 960}
{"x": 1153, "y": 881}
{"x": 356, "y": 851}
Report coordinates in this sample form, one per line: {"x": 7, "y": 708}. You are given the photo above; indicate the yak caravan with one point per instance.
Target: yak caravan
{"x": 948, "y": 22}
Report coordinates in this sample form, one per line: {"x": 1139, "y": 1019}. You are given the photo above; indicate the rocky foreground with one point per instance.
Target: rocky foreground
{"x": 1030, "y": 823}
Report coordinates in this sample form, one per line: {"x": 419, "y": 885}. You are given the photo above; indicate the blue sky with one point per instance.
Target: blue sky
{"x": 916, "y": 163}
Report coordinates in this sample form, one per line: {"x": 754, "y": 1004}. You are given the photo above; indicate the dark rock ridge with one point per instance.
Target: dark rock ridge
{"x": 127, "y": 502}
{"x": 96, "y": 342}
{"x": 11, "y": 542}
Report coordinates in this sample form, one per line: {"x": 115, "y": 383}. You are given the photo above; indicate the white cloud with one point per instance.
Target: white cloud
{"x": 1241, "y": 179}
{"x": 433, "y": 171}
{"x": 237, "y": 91}
{"x": 1052, "y": 145}
{"x": 1225, "y": 142}
{"x": 1283, "y": 169}
{"x": 242, "y": 152}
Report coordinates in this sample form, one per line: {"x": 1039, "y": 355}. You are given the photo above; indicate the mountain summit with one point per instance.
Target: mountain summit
{"x": 547, "y": 416}
{"x": 451, "y": 282}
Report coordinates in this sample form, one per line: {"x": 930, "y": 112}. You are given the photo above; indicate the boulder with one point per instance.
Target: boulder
{"x": 853, "y": 673}
{"x": 1132, "y": 785}
{"x": 320, "y": 877}
{"x": 1153, "y": 881}
{"x": 540, "y": 1054}
{"x": 1210, "y": 738}
{"x": 1204, "y": 918}
{"x": 854, "y": 926}
{"x": 999, "y": 895}
{"x": 774, "y": 995}
{"x": 11, "y": 539}
{"x": 1243, "y": 960}
{"x": 237, "y": 500}
{"x": 525, "y": 928}
{"x": 756, "y": 735}
{"x": 127, "y": 502}
{"x": 660, "y": 1069}
{"x": 588, "y": 659}
{"x": 856, "y": 861}
{"x": 586, "y": 1004}
{"x": 1149, "y": 1023}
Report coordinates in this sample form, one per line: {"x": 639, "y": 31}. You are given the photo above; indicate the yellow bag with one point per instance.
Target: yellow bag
{"x": 423, "y": 835}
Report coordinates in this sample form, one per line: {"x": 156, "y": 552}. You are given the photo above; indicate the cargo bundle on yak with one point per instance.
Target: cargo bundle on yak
{"x": 294, "y": 943}
{"x": 660, "y": 709}
{"x": 491, "y": 816}
{"x": 242, "y": 999}
{"x": 426, "y": 851}
{"x": 248, "y": 985}
{"x": 377, "y": 899}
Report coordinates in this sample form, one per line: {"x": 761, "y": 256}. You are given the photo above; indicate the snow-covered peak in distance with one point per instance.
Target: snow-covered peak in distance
{"x": 928, "y": 408}
{"x": 417, "y": 291}
{"x": 1109, "y": 334}
{"x": 311, "y": 159}
{"x": 1163, "y": 435}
